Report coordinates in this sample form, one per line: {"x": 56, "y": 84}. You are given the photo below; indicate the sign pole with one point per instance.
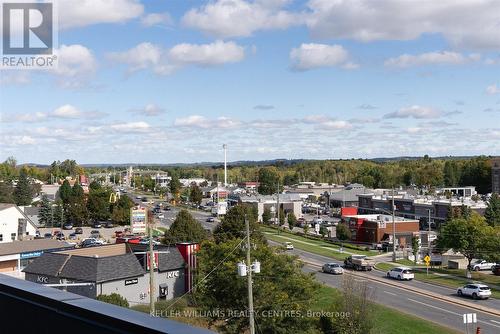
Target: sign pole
{"x": 151, "y": 268}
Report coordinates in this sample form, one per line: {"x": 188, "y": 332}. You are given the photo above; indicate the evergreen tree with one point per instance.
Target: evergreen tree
{"x": 269, "y": 180}
{"x": 196, "y": 195}
{"x": 6, "y": 192}
{"x": 58, "y": 217}
{"x": 185, "y": 229}
{"x": 292, "y": 220}
{"x": 23, "y": 193}
{"x": 65, "y": 191}
{"x": 492, "y": 213}
{"x": 45, "y": 214}
{"x": 266, "y": 216}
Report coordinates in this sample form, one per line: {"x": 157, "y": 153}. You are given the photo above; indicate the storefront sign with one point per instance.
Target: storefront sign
{"x": 42, "y": 279}
{"x": 138, "y": 220}
{"x": 30, "y": 255}
{"x": 131, "y": 281}
{"x": 173, "y": 274}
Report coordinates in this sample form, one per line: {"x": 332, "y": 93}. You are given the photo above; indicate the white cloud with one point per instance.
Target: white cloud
{"x": 80, "y": 13}
{"x": 131, "y": 127}
{"x": 335, "y": 125}
{"x": 431, "y": 58}
{"x": 413, "y": 130}
{"x": 414, "y": 112}
{"x": 236, "y": 18}
{"x": 66, "y": 111}
{"x": 493, "y": 89}
{"x": 164, "y": 62}
{"x": 14, "y": 77}
{"x": 76, "y": 65}
{"x": 310, "y": 56}
{"x": 464, "y": 23}
{"x": 197, "y": 121}
{"x": 157, "y": 19}
{"x": 149, "y": 110}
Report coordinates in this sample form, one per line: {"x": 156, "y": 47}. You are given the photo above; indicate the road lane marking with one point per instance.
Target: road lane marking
{"x": 437, "y": 308}
{"x": 390, "y": 293}
{"x": 496, "y": 322}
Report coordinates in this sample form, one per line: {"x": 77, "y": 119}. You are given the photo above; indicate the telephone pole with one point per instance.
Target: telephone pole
{"x": 249, "y": 279}
{"x": 151, "y": 268}
{"x": 393, "y": 230}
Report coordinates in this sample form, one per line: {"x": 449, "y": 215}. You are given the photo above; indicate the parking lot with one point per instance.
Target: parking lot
{"x": 107, "y": 234}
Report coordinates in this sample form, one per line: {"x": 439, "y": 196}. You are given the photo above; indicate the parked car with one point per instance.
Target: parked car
{"x": 95, "y": 234}
{"x": 47, "y": 235}
{"x": 90, "y": 242}
{"x": 333, "y": 268}
{"x": 68, "y": 226}
{"x": 97, "y": 225}
{"x": 118, "y": 234}
{"x": 288, "y": 245}
{"x": 210, "y": 219}
{"x": 109, "y": 225}
{"x": 60, "y": 236}
{"x": 145, "y": 241}
{"x": 72, "y": 236}
{"x": 476, "y": 291}
{"x": 167, "y": 208}
{"x": 496, "y": 269}
{"x": 401, "y": 273}
{"x": 78, "y": 230}
{"x": 37, "y": 234}
{"x": 481, "y": 265}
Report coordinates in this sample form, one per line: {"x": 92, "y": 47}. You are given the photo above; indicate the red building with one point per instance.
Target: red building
{"x": 376, "y": 228}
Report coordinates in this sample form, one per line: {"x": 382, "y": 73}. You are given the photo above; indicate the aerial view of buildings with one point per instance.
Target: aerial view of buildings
{"x": 250, "y": 166}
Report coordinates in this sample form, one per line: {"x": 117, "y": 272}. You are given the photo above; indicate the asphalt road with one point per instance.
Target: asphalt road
{"x": 440, "y": 312}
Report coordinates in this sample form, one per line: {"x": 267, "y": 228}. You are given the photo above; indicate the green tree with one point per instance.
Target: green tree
{"x": 196, "y": 195}
{"x": 292, "y": 220}
{"x": 114, "y": 298}
{"x": 232, "y": 225}
{"x": 343, "y": 233}
{"x": 492, "y": 213}
{"x": 121, "y": 211}
{"x": 451, "y": 173}
{"x": 6, "y": 192}
{"x": 58, "y": 217}
{"x": 287, "y": 289}
{"x": 465, "y": 235}
{"x": 266, "y": 215}
{"x": 45, "y": 214}
{"x": 282, "y": 217}
{"x": 175, "y": 187}
{"x": 323, "y": 231}
{"x": 185, "y": 229}
{"x": 98, "y": 203}
{"x": 414, "y": 247}
{"x": 65, "y": 191}
{"x": 23, "y": 192}
{"x": 269, "y": 180}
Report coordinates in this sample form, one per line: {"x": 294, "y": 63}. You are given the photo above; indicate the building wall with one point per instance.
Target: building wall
{"x": 133, "y": 293}
{"x": 41, "y": 279}
{"x": 9, "y": 222}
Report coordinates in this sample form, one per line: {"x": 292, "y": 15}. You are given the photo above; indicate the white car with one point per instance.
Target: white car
{"x": 401, "y": 273}
{"x": 482, "y": 265}
{"x": 476, "y": 291}
{"x": 333, "y": 268}
{"x": 288, "y": 245}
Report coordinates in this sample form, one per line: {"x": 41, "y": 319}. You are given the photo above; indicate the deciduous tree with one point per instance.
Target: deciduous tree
{"x": 185, "y": 229}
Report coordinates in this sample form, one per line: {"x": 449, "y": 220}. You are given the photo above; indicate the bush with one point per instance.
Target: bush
{"x": 114, "y": 299}
{"x": 173, "y": 305}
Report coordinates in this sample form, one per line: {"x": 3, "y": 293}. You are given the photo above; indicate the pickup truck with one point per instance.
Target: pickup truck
{"x": 358, "y": 262}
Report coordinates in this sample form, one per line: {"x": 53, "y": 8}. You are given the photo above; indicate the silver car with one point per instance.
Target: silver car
{"x": 333, "y": 268}
{"x": 476, "y": 291}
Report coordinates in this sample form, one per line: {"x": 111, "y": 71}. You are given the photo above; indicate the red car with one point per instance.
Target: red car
{"x": 128, "y": 239}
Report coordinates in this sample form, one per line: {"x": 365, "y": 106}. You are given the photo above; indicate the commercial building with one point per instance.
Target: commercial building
{"x": 289, "y": 203}
{"x": 16, "y": 255}
{"x": 495, "y": 175}
{"x": 118, "y": 268}
{"x": 375, "y": 228}
{"x": 419, "y": 207}
{"x": 346, "y": 197}
{"x": 14, "y": 224}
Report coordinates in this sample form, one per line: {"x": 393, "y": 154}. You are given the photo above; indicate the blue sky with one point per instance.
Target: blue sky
{"x": 171, "y": 81}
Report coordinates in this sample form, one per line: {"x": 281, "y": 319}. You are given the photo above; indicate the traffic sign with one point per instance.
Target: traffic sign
{"x": 427, "y": 259}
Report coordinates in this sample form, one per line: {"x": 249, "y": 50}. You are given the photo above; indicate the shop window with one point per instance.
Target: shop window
{"x": 13, "y": 236}
{"x": 1, "y": 237}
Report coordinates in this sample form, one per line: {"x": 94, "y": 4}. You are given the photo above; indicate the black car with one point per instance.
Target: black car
{"x": 47, "y": 235}
{"x": 67, "y": 226}
{"x": 60, "y": 236}
{"x": 95, "y": 234}
{"x": 109, "y": 225}
{"x": 144, "y": 199}
{"x": 78, "y": 230}
{"x": 167, "y": 208}
{"x": 97, "y": 225}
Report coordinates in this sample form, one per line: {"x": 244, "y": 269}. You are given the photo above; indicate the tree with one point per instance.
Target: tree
{"x": 287, "y": 289}
{"x": 266, "y": 215}
{"x": 343, "y": 233}
{"x": 185, "y": 229}
{"x": 65, "y": 191}
{"x": 196, "y": 195}
{"x": 58, "y": 217}
{"x": 23, "y": 192}
{"x": 98, "y": 203}
{"x": 282, "y": 217}
{"x": 175, "y": 187}
{"x": 269, "y": 180}
{"x": 465, "y": 235}
{"x": 492, "y": 213}
{"x": 306, "y": 228}
{"x": 114, "y": 298}
{"x": 414, "y": 247}
{"x": 323, "y": 231}
{"x": 121, "y": 211}
{"x": 6, "y": 192}
{"x": 292, "y": 220}
{"x": 45, "y": 213}
{"x": 232, "y": 225}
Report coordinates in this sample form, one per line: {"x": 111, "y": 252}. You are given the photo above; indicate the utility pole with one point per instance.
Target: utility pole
{"x": 393, "y": 230}
{"x": 225, "y": 164}
{"x": 249, "y": 279}
{"x": 429, "y": 233}
{"x": 278, "y": 204}
{"x": 151, "y": 267}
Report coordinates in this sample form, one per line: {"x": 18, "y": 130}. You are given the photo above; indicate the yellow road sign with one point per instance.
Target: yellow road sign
{"x": 427, "y": 258}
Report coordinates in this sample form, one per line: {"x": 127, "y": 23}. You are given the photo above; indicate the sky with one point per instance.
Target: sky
{"x": 171, "y": 81}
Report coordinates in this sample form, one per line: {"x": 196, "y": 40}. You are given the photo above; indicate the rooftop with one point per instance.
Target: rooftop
{"x": 16, "y": 247}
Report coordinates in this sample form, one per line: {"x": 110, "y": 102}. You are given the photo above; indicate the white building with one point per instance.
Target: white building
{"x": 188, "y": 182}
{"x": 14, "y": 224}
